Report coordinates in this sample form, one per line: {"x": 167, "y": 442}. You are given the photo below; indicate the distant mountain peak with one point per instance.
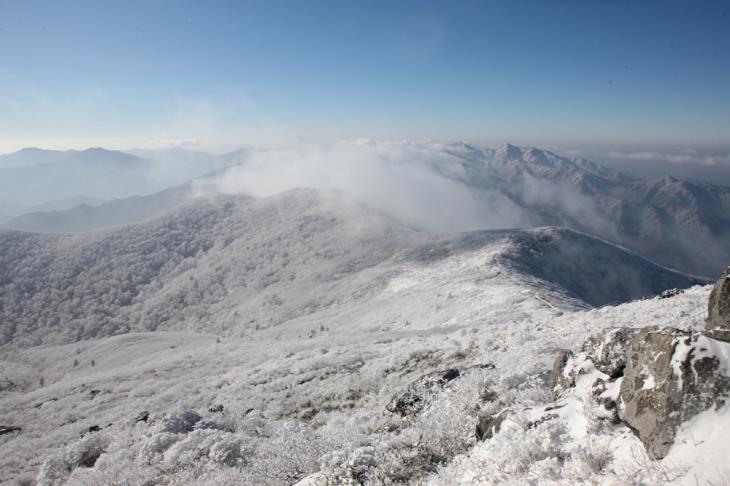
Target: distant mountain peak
{"x": 508, "y": 152}
{"x": 27, "y": 150}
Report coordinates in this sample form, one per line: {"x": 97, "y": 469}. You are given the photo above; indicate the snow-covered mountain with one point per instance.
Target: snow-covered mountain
{"x": 680, "y": 224}
{"x": 234, "y": 265}
{"x": 290, "y": 322}
{"x": 258, "y": 340}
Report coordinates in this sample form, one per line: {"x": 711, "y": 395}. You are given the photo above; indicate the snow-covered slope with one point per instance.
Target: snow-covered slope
{"x": 310, "y": 311}
{"x": 235, "y": 265}
{"x": 285, "y": 402}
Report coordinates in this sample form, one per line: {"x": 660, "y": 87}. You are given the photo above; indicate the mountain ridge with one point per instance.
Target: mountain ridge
{"x": 167, "y": 273}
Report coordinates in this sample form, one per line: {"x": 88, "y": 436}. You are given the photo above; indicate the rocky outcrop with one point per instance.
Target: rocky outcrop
{"x": 671, "y": 375}
{"x": 664, "y": 376}
{"x": 562, "y": 376}
{"x": 607, "y": 349}
{"x": 7, "y": 429}
{"x": 315, "y": 479}
{"x": 142, "y": 416}
{"x": 669, "y": 293}
{"x": 718, "y": 309}
{"x": 488, "y": 425}
{"x": 417, "y": 395}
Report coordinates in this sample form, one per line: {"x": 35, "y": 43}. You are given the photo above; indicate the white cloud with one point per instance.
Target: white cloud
{"x": 404, "y": 179}
{"x": 683, "y": 156}
{"x": 164, "y": 141}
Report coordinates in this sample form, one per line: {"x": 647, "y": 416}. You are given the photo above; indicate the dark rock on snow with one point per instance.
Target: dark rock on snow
{"x": 607, "y": 349}
{"x": 90, "y": 430}
{"x": 718, "y": 309}
{"x": 488, "y": 425}
{"x": 669, "y": 293}
{"x": 142, "y": 416}
{"x": 7, "y": 429}
{"x": 417, "y": 394}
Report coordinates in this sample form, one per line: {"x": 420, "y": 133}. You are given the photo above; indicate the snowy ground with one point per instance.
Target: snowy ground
{"x": 308, "y": 394}
{"x": 535, "y": 441}
{"x": 337, "y": 382}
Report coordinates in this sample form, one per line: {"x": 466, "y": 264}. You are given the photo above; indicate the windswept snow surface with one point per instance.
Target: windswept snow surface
{"x": 571, "y": 442}
{"x": 301, "y": 315}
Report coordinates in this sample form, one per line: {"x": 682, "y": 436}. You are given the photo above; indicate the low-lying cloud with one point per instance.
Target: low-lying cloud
{"x": 418, "y": 184}
{"x": 681, "y": 156}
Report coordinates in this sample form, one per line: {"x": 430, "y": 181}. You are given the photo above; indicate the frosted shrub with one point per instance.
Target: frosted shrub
{"x": 53, "y": 471}
{"x": 522, "y": 451}
{"x": 156, "y": 445}
{"x": 445, "y": 429}
{"x": 86, "y": 451}
{"x": 83, "y": 453}
{"x": 115, "y": 468}
{"x": 595, "y": 456}
{"x": 178, "y": 422}
{"x": 350, "y": 469}
{"x": 544, "y": 443}
{"x": 292, "y": 452}
{"x": 221, "y": 448}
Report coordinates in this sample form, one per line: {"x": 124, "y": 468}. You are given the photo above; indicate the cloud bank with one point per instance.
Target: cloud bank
{"x": 678, "y": 156}
{"x": 417, "y": 183}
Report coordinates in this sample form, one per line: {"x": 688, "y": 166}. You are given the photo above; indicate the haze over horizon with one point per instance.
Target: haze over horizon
{"x": 648, "y": 80}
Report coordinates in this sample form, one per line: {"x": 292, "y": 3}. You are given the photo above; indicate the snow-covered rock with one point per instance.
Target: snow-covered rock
{"x": 608, "y": 350}
{"x": 416, "y": 396}
{"x": 718, "y": 309}
{"x": 671, "y": 375}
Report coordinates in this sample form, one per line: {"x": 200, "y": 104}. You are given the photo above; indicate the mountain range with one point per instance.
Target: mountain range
{"x": 235, "y": 264}
{"x": 32, "y": 177}
{"x": 682, "y": 224}
{"x": 197, "y": 335}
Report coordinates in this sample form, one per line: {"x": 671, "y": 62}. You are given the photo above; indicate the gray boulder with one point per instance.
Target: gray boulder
{"x": 562, "y": 376}
{"x": 488, "y": 425}
{"x": 718, "y": 309}
{"x": 607, "y": 349}
{"x": 671, "y": 375}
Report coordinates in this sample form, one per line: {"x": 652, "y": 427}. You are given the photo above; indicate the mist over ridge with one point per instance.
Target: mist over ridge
{"x": 461, "y": 187}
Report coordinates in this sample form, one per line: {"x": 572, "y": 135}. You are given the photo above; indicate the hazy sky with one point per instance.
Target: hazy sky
{"x": 130, "y": 73}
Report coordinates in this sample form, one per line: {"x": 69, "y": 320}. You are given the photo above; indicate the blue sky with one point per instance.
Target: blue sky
{"x": 129, "y": 73}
